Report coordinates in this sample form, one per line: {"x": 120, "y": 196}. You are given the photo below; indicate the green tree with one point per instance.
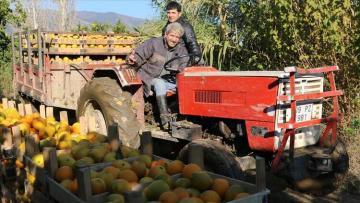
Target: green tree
{"x": 80, "y": 28}
{"x": 119, "y": 27}
{"x": 99, "y": 27}
{"x": 11, "y": 13}
{"x": 276, "y": 34}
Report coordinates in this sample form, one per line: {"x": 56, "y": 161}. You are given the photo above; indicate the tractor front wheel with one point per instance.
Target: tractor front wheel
{"x": 103, "y": 99}
{"x": 217, "y": 158}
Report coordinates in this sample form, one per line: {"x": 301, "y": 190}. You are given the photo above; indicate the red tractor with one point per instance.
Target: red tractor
{"x": 228, "y": 116}
{"x": 278, "y": 114}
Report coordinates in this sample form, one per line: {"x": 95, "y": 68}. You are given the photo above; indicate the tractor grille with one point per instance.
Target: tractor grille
{"x": 303, "y": 85}
{"x": 207, "y": 96}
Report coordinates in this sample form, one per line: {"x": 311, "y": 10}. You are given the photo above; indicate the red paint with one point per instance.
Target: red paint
{"x": 236, "y": 97}
{"x": 251, "y": 98}
{"x": 260, "y": 142}
{"x": 311, "y": 96}
{"x": 276, "y": 160}
{"x": 324, "y": 69}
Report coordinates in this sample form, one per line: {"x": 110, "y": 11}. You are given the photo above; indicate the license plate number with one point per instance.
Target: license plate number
{"x": 303, "y": 112}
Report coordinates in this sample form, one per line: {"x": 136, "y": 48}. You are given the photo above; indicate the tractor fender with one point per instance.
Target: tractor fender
{"x": 123, "y": 75}
{"x": 128, "y": 80}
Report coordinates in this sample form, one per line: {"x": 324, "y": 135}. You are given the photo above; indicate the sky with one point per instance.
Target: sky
{"x": 134, "y": 8}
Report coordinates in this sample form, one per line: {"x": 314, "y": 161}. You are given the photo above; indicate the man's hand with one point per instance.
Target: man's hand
{"x": 131, "y": 60}
{"x": 195, "y": 61}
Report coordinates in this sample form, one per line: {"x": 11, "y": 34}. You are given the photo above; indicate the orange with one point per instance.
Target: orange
{"x": 201, "y": 180}
{"x": 156, "y": 170}
{"x": 182, "y": 193}
{"x": 189, "y": 169}
{"x": 64, "y": 172}
{"x": 168, "y": 197}
{"x": 98, "y": 186}
{"x": 128, "y": 175}
{"x": 233, "y": 190}
{"x": 139, "y": 168}
{"x": 91, "y": 136}
{"x": 74, "y": 186}
{"x": 66, "y": 184}
{"x": 160, "y": 162}
{"x": 113, "y": 171}
{"x": 75, "y": 128}
{"x": 38, "y": 123}
{"x": 64, "y": 145}
{"x": 174, "y": 167}
{"x": 210, "y": 196}
{"x": 28, "y": 119}
{"x": 220, "y": 185}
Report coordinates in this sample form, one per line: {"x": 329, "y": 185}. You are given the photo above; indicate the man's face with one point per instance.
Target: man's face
{"x": 173, "y": 15}
{"x": 172, "y": 39}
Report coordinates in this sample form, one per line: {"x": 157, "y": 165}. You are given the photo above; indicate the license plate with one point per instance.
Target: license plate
{"x": 303, "y": 112}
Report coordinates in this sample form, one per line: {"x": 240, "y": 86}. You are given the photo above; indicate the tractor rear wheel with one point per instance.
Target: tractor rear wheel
{"x": 104, "y": 99}
{"x": 217, "y": 158}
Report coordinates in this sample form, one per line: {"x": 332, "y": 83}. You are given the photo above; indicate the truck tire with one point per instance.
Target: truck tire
{"x": 104, "y": 99}
{"x": 217, "y": 158}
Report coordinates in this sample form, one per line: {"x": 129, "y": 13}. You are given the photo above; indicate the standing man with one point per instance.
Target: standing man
{"x": 150, "y": 57}
{"x": 173, "y": 10}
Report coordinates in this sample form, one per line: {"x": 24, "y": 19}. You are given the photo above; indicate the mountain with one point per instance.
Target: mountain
{"x": 87, "y": 17}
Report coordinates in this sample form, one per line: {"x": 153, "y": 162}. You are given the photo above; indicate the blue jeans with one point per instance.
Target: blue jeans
{"x": 161, "y": 86}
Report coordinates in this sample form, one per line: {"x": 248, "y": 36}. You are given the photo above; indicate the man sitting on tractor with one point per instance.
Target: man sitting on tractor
{"x": 150, "y": 57}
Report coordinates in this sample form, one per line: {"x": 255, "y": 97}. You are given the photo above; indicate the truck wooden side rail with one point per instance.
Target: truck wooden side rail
{"x": 52, "y": 67}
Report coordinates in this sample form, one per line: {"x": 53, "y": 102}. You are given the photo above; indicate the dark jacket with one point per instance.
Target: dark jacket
{"x": 189, "y": 37}
{"x": 151, "y": 56}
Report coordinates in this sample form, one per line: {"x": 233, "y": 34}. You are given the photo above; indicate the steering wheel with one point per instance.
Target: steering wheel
{"x": 190, "y": 63}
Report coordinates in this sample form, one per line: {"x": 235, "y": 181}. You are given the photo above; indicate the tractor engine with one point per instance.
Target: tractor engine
{"x": 251, "y": 96}
{"x": 279, "y": 111}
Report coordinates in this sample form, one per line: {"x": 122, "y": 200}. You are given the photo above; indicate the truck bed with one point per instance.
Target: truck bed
{"x": 52, "y": 67}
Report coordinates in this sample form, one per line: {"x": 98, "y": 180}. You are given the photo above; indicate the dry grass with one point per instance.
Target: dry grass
{"x": 353, "y": 147}
{"x": 351, "y": 181}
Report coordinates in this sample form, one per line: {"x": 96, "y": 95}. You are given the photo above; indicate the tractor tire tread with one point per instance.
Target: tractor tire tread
{"x": 115, "y": 105}
{"x": 217, "y": 155}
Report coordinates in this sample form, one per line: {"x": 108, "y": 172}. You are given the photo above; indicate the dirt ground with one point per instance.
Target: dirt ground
{"x": 343, "y": 188}
{"x": 289, "y": 195}
{"x": 282, "y": 192}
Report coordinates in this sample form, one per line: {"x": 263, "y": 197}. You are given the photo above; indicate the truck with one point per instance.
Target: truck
{"x": 220, "y": 119}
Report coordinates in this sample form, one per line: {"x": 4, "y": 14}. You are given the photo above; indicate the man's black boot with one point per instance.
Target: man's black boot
{"x": 165, "y": 116}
